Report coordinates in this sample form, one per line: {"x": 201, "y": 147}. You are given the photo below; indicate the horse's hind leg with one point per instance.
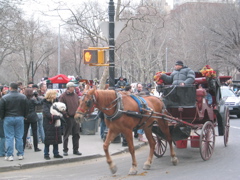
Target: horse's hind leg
{"x": 165, "y": 129}
{"x": 110, "y": 137}
{"x": 174, "y": 158}
{"x": 151, "y": 141}
{"x": 129, "y": 137}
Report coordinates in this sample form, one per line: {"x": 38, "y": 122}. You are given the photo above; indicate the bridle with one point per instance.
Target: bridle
{"x": 91, "y": 103}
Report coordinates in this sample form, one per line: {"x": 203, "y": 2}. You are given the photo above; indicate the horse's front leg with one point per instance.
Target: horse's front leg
{"x": 152, "y": 143}
{"x": 110, "y": 137}
{"x": 129, "y": 138}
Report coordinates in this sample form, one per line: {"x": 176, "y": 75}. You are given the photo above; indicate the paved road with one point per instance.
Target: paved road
{"x": 224, "y": 164}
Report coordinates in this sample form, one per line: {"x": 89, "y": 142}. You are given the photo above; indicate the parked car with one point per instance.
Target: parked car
{"x": 231, "y": 100}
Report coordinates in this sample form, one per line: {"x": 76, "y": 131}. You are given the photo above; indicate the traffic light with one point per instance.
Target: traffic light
{"x": 90, "y": 56}
{"x": 93, "y": 56}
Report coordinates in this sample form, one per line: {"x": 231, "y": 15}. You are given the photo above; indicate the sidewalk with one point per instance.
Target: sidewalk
{"x": 91, "y": 146}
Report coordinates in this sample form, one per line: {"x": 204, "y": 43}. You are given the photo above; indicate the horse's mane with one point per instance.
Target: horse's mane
{"x": 106, "y": 96}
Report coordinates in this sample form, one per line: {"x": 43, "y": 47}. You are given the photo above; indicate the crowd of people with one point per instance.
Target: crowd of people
{"x": 24, "y": 107}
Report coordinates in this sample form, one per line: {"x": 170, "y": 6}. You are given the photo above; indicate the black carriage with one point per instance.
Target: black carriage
{"x": 190, "y": 116}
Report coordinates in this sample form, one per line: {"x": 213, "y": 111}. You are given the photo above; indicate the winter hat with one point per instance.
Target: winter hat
{"x": 34, "y": 86}
{"x": 180, "y": 63}
{"x": 70, "y": 84}
{"x": 149, "y": 85}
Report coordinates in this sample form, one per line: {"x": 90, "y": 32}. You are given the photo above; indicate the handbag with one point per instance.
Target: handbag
{"x": 32, "y": 117}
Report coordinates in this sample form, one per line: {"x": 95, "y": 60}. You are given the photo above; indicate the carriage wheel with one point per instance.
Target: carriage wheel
{"x": 227, "y": 125}
{"x": 207, "y": 140}
{"x": 160, "y": 147}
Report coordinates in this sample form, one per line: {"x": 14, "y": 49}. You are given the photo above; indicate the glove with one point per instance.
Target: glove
{"x": 56, "y": 117}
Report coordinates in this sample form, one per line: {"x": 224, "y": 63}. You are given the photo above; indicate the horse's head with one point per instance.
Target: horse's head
{"x": 86, "y": 104}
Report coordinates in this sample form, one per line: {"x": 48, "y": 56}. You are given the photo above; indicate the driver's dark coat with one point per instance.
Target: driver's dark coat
{"x": 53, "y": 135}
{"x": 184, "y": 75}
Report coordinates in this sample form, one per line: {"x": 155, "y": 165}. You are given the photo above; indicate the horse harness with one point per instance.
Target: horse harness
{"x": 119, "y": 107}
{"x": 119, "y": 110}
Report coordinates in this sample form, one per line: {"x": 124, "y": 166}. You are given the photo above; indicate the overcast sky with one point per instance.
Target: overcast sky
{"x": 38, "y": 7}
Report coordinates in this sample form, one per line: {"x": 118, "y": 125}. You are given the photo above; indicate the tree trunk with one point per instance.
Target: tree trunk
{"x": 104, "y": 78}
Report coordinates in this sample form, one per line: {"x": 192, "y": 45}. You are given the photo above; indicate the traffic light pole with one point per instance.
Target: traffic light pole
{"x": 111, "y": 13}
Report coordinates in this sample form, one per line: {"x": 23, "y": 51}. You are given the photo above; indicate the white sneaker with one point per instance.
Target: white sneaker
{"x": 10, "y": 158}
{"x": 20, "y": 157}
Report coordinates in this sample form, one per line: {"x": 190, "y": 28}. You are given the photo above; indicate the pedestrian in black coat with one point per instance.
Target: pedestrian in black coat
{"x": 53, "y": 135}
{"x": 32, "y": 118}
{"x": 2, "y": 136}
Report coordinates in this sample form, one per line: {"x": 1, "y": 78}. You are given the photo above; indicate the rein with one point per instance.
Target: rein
{"x": 170, "y": 92}
{"x": 115, "y": 100}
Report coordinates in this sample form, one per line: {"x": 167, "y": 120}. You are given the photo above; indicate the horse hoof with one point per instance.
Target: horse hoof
{"x": 113, "y": 169}
{"x": 174, "y": 161}
{"x": 132, "y": 172}
{"x": 146, "y": 166}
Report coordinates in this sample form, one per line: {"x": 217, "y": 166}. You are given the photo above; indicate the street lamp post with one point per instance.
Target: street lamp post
{"x": 59, "y": 51}
{"x": 32, "y": 71}
{"x": 111, "y": 13}
{"x": 166, "y": 54}
{"x": 166, "y": 59}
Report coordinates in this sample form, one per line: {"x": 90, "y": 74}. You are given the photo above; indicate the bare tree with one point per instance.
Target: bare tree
{"x": 35, "y": 46}
{"x": 9, "y": 16}
{"x": 140, "y": 46}
{"x": 207, "y": 33}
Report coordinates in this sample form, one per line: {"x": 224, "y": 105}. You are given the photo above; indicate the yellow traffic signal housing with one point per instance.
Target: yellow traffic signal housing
{"x": 101, "y": 56}
{"x": 93, "y": 56}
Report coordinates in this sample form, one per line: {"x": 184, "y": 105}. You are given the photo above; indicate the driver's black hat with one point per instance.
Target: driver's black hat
{"x": 180, "y": 63}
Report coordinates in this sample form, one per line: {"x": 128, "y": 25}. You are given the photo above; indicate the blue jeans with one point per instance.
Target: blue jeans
{"x": 2, "y": 146}
{"x": 14, "y": 128}
{"x": 140, "y": 131}
{"x": 55, "y": 150}
{"x": 40, "y": 131}
{"x": 2, "y": 140}
{"x": 102, "y": 128}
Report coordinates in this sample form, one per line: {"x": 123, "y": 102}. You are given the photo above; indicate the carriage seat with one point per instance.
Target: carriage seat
{"x": 179, "y": 96}
{"x": 200, "y": 94}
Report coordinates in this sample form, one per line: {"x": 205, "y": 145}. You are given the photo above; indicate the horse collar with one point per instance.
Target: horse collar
{"x": 119, "y": 107}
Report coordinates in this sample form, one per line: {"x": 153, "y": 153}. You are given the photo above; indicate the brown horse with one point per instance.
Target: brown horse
{"x": 108, "y": 101}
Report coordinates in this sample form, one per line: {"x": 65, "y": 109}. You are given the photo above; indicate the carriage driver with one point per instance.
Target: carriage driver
{"x": 182, "y": 75}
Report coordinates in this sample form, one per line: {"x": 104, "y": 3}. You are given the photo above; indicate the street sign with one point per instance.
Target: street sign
{"x": 117, "y": 29}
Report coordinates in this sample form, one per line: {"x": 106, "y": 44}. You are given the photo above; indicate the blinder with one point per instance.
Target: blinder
{"x": 89, "y": 103}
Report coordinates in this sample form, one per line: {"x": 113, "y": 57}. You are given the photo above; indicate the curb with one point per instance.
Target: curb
{"x": 46, "y": 163}
{"x": 64, "y": 160}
